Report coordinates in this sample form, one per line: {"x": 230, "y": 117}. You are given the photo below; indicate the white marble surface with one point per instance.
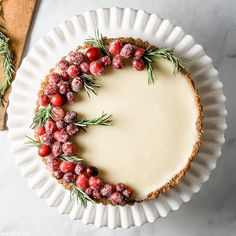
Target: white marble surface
{"x": 210, "y": 212}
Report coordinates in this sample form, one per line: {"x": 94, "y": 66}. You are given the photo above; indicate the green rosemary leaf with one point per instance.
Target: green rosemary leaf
{"x": 90, "y": 84}
{"x": 41, "y": 116}
{"x": 33, "y": 142}
{"x": 73, "y": 158}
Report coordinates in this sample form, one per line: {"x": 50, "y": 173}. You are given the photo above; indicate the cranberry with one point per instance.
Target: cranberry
{"x": 64, "y": 75}
{"x": 106, "y": 60}
{"x": 50, "y": 126}
{"x": 77, "y": 84}
{"x": 70, "y": 97}
{"x": 56, "y": 149}
{"x": 67, "y": 166}
{"x": 44, "y": 100}
{"x": 95, "y": 183}
{"x": 63, "y": 65}
{"x": 97, "y": 195}
{"x": 69, "y": 148}
{"x": 54, "y": 78}
{"x": 138, "y": 64}
{"x": 91, "y": 171}
{"x": 84, "y": 66}
{"x": 108, "y": 189}
{"x": 51, "y": 89}
{"x": 79, "y": 168}
{"x": 93, "y": 53}
{"x": 64, "y": 87}
{"x": 61, "y": 136}
{"x": 88, "y": 191}
{"x": 71, "y": 116}
{"x": 72, "y": 129}
{"x": 58, "y": 174}
{"x": 39, "y": 130}
{"x": 118, "y": 62}
{"x": 76, "y": 57}
{"x": 61, "y": 124}
{"x": 96, "y": 68}
{"x": 139, "y": 52}
{"x": 127, "y": 192}
{"x": 53, "y": 163}
{"x": 58, "y": 113}
{"x": 47, "y": 139}
{"x": 69, "y": 177}
{"x": 57, "y": 100}
{"x": 127, "y": 51}
{"x": 120, "y": 187}
{"x": 115, "y": 46}
{"x": 117, "y": 198}
{"x": 73, "y": 71}
{"x": 82, "y": 181}
{"x": 44, "y": 151}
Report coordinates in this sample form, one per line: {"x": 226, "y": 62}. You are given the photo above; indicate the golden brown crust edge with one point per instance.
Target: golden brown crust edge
{"x": 176, "y": 179}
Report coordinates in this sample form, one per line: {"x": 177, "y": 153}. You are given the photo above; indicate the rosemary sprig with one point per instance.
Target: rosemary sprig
{"x": 104, "y": 120}
{"x": 90, "y": 85}
{"x": 97, "y": 41}
{"x": 41, "y": 115}
{"x": 32, "y": 142}
{"x": 81, "y": 196}
{"x": 73, "y": 158}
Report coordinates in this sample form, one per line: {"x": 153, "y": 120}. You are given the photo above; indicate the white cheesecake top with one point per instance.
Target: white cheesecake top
{"x": 153, "y": 132}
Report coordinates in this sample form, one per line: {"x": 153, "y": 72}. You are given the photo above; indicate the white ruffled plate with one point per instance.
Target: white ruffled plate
{"x": 115, "y": 22}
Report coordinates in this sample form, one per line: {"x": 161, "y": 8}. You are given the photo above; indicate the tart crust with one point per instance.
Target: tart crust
{"x": 176, "y": 179}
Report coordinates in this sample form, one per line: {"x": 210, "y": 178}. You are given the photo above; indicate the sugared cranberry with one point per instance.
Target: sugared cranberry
{"x": 77, "y": 84}
{"x": 65, "y": 76}
{"x": 127, "y": 50}
{"x": 61, "y": 136}
{"x": 44, "y": 100}
{"x": 69, "y": 177}
{"x": 70, "y": 98}
{"x": 61, "y": 124}
{"x": 95, "y": 183}
{"x": 69, "y": 148}
{"x": 117, "y": 198}
{"x": 53, "y": 163}
{"x": 88, "y": 191}
{"x": 58, "y": 113}
{"x": 56, "y": 149}
{"x": 76, "y": 57}
{"x": 96, "y": 68}
{"x": 54, "y": 78}
{"x": 93, "y": 53}
{"x": 73, "y": 71}
{"x": 115, "y": 47}
{"x": 138, "y": 64}
{"x": 120, "y": 187}
{"x": 82, "y": 181}
{"x": 44, "y": 151}
{"x": 51, "y": 89}
{"x": 58, "y": 174}
{"x": 108, "y": 189}
{"x": 97, "y": 195}
{"x": 128, "y": 192}
{"x": 47, "y": 139}
{"x": 91, "y": 171}
{"x": 72, "y": 129}
{"x": 84, "y": 66}
{"x": 57, "y": 100}
{"x": 39, "y": 130}
{"x": 50, "y": 126}
{"x": 67, "y": 166}
{"x": 118, "y": 62}
{"x": 63, "y": 64}
{"x": 71, "y": 116}
{"x": 106, "y": 60}
{"x": 139, "y": 52}
{"x": 79, "y": 168}
{"x": 63, "y": 87}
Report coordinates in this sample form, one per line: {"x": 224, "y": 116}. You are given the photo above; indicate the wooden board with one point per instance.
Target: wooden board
{"x": 18, "y": 16}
